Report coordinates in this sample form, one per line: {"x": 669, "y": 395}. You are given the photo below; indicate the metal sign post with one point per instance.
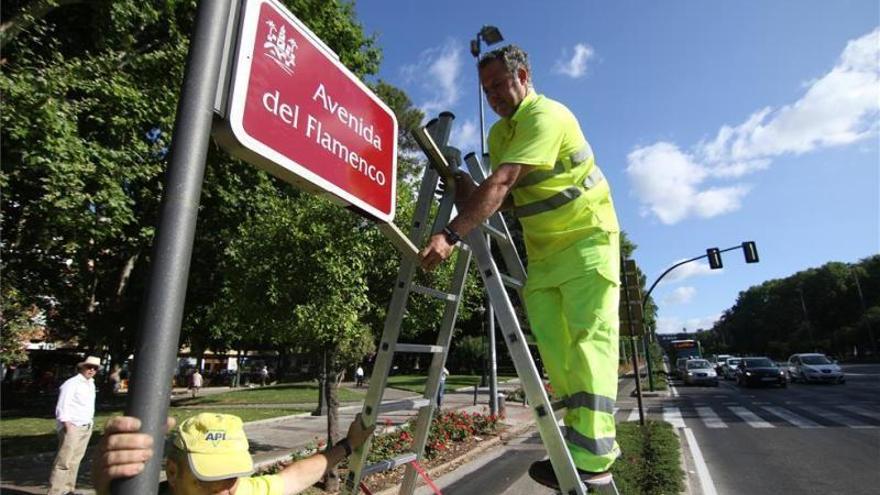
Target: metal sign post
{"x": 631, "y": 316}
{"x": 156, "y": 355}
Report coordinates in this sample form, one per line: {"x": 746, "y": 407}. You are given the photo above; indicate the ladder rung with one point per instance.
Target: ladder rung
{"x": 431, "y": 349}
{"x": 495, "y": 233}
{"x": 389, "y": 464}
{"x": 511, "y": 282}
{"x": 433, "y": 292}
{"x": 403, "y": 405}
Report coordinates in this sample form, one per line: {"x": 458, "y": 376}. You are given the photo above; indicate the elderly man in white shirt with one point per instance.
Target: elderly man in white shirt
{"x": 74, "y": 414}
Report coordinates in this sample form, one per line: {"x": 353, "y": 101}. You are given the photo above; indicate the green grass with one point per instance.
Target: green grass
{"x": 649, "y": 462}
{"x": 34, "y": 435}
{"x": 287, "y": 393}
{"x": 416, "y": 383}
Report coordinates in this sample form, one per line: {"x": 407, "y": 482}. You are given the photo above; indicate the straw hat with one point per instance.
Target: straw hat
{"x": 90, "y": 361}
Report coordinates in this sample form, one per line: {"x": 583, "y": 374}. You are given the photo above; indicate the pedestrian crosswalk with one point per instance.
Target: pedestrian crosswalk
{"x": 761, "y": 415}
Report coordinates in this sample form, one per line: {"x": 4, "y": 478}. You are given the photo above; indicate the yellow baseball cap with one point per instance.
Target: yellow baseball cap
{"x": 216, "y": 446}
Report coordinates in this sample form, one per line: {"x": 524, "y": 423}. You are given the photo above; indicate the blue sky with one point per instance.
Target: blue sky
{"x": 715, "y": 122}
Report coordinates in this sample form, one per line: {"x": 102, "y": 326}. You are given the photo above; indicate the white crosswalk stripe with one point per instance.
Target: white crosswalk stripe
{"x": 749, "y": 417}
{"x": 834, "y": 417}
{"x": 633, "y": 414}
{"x": 672, "y": 415}
{"x": 799, "y": 421}
{"x": 710, "y": 419}
{"x": 862, "y": 411}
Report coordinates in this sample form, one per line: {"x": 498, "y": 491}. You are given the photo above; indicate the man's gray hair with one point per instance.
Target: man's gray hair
{"x": 512, "y": 56}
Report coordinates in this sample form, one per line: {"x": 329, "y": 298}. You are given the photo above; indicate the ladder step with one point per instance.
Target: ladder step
{"x": 511, "y": 282}
{"x": 495, "y": 233}
{"x": 433, "y": 293}
{"x": 403, "y": 405}
{"x": 425, "y": 348}
{"x": 389, "y": 464}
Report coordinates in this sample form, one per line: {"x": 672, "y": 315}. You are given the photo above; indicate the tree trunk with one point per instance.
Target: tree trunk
{"x": 321, "y": 409}
{"x": 331, "y": 478}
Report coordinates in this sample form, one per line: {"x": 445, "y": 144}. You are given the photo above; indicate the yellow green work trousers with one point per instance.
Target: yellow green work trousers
{"x": 572, "y": 301}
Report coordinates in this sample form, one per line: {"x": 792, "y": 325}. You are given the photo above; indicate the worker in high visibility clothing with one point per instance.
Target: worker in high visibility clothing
{"x": 544, "y": 170}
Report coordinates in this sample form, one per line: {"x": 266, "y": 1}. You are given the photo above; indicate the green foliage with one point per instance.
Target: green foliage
{"x": 816, "y": 309}
{"x": 18, "y": 323}
{"x": 468, "y": 354}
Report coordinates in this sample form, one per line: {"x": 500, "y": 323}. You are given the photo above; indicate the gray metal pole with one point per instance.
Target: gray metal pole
{"x": 157, "y": 346}
{"x": 493, "y": 365}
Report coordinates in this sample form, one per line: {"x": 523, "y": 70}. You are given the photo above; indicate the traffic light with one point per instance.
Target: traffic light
{"x": 751, "y": 251}
{"x": 714, "y": 256}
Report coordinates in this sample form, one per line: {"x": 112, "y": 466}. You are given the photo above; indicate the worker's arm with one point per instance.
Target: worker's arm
{"x": 474, "y": 210}
{"x": 306, "y": 472}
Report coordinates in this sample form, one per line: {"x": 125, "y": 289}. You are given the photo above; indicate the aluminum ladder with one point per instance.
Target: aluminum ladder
{"x": 439, "y": 130}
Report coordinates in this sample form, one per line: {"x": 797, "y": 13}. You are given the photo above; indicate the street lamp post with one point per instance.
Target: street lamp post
{"x": 489, "y": 35}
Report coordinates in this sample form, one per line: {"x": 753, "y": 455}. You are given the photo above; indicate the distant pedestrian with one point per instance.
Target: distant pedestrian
{"x": 359, "y": 376}
{"x": 440, "y": 391}
{"x": 74, "y": 414}
{"x": 264, "y": 376}
{"x": 195, "y": 381}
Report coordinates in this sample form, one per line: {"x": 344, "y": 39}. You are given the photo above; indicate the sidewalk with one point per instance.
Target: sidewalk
{"x": 271, "y": 440}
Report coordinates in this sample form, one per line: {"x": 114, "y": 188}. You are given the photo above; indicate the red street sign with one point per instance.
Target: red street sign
{"x": 297, "y": 112}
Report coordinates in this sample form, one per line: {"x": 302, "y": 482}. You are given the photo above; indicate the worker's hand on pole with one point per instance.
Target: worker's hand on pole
{"x": 437, "y": 250}
{"x": 122, "y": 452}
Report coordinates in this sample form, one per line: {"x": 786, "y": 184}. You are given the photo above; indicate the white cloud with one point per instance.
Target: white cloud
{"x": 438, "y": 73}
{"x": 576, "y": 66}
{"x": 688, "y": 270}
{"x": 839, "y": 108}
{"x": 681, "y": 295}
{"x": 673, "y": 324}
{"x": 466, "y": 136}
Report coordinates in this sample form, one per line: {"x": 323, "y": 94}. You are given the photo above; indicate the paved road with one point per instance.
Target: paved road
{"x": 806, "y": 439}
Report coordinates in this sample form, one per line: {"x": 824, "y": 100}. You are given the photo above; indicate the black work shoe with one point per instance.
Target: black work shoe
{"x": 542, "y": 472}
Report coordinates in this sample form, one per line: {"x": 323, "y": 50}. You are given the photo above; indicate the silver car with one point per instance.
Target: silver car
{"x": 814, "y": 367}
{"x": 700, "y": 371}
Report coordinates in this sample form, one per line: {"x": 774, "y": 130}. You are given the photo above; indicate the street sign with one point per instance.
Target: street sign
{"x": 295, "y": 111}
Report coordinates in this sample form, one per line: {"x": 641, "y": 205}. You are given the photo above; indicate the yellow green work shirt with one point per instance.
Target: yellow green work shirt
{"x": 544, "y": 134}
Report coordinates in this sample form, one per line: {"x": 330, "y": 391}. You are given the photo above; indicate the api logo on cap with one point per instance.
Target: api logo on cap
{"x": 280, "y": 48}
{"x": 215, "y": 436}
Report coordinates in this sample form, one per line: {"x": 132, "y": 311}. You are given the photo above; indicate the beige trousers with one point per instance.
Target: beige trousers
{"x": 72, "y": 447}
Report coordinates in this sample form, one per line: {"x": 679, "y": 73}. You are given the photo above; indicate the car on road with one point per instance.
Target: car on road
{"x": 814, "y": 367}
{"x": 759, "y": 371}
{"x": 728, "y": 369}
{"x": 718, "y": 362}
{"x": 700, "y": 371}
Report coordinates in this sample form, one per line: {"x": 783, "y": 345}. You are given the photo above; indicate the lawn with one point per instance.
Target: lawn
{"x": 34, "y": 435}
{"x": 416, "y": 383}
{"x": 649, "y": 462}
{"x": 286, "y": 393}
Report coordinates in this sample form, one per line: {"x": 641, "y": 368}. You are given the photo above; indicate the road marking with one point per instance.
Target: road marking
{"x": 672, "y": 415}
{"x": 836, "y": 418}
{"x": 674, "y": 390}
{"x": 799, "y": 421}
{"x": 749, "y": 417}
{"x": 702, "y": 470}
{"x": 862, "y": 411}
{"x": 710, "y": 419}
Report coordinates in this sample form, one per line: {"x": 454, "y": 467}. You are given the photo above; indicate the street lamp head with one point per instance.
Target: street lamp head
{"x": 491, "y": 35}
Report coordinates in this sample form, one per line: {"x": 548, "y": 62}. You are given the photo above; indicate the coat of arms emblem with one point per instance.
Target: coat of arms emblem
{"x": 280, "y": 48}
